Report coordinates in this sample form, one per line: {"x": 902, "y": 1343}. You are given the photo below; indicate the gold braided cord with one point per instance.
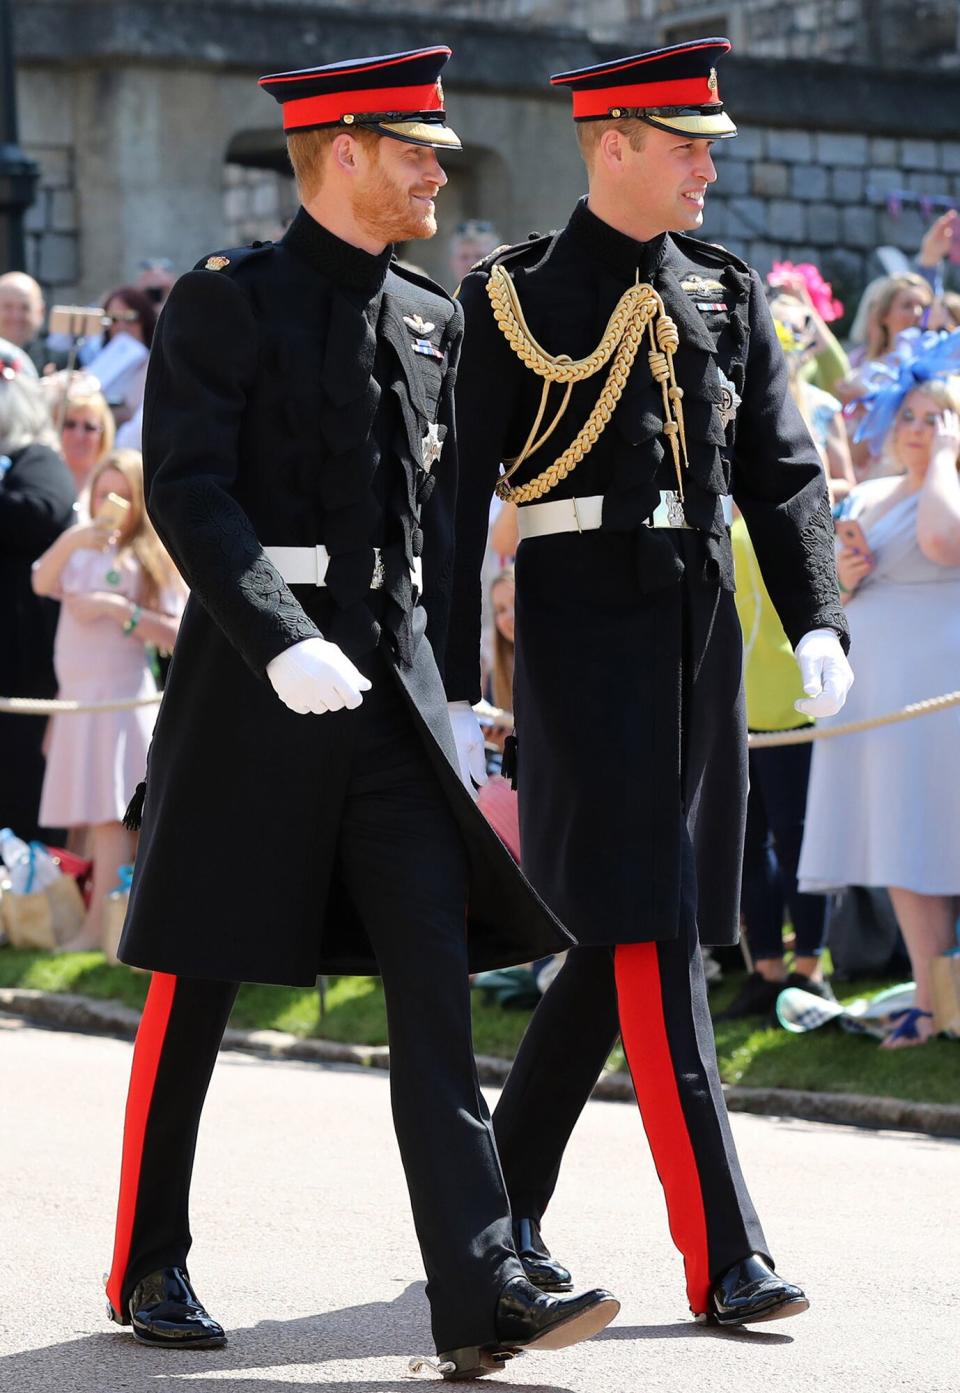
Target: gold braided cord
{"x": 532, "y": 444}
{"x": 638, "y": 310}
{"x": 508, "y": 312}
{"x": 590, "y": 431}
{"x": 531, "y": 449}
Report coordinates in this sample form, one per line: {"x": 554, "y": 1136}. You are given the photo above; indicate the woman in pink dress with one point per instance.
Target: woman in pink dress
{"x": 119, "y": 593}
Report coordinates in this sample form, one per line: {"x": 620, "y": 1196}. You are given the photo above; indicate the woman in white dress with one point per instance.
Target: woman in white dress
{"x": 119, "y": 593}
{"x": 884, "y": 805}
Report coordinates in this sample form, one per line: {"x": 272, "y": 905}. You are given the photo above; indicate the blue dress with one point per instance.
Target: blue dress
{"x": 884, "y": 806}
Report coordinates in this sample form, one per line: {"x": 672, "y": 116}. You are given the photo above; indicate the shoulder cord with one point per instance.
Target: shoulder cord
{"x": 640, "y": 308}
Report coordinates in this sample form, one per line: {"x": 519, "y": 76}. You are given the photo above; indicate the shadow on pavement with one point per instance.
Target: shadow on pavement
{"x": 111, "y": 1362}
{"x": 690, "y": 1330}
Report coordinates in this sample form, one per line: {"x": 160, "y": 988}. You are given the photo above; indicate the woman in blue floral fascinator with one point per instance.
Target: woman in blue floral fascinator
{"x": 884, "y": 805}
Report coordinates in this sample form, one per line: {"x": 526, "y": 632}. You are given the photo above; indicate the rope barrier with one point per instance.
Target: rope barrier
{"x": 503, "y": 720}
{"x": 804, "y": 735}
{"x": 30, "y": 706}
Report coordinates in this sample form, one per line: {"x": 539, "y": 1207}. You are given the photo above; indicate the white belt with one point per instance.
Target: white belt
{"x": 308, "y": 566}
{"x": 585, "y": 514}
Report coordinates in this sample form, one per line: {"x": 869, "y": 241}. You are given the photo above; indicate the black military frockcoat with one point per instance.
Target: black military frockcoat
{"x": 628, "y": 686}
{"x": 286, "y": 405}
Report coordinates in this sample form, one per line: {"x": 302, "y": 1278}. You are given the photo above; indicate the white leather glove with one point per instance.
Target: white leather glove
{"x": 314, "y": 676}
{"x": 824, "y": 671}
{"x": 469, "y": 741}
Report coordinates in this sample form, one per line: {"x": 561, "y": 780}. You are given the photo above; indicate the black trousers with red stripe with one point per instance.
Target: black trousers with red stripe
{"x": 403, "y": 863}
{"x": 654, "y": 996}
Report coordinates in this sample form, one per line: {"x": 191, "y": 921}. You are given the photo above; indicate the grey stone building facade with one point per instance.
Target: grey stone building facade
{"x": 885, "y": 33}
{"x": 154, "y": 140}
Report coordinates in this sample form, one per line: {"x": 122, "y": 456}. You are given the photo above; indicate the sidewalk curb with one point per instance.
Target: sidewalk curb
{"x": 64, "y": 1011}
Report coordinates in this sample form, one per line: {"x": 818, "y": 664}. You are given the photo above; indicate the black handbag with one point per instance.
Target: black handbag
{"x": 863, "y": 934}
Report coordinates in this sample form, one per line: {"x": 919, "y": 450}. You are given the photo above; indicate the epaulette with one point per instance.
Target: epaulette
{"x": 232, "y": 258}
{"x": 420, "y": 278}
{"x": 530, "y": 252}
{"x": 708, "y": 251}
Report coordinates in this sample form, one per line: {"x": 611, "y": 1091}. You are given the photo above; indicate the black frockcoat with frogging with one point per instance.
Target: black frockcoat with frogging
{"x": 286, "y": 406}
{"x": 627, "y": 688}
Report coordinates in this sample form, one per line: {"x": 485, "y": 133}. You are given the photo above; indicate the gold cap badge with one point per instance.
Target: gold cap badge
{"x": 216, "y": 263}
{"x": 712, "y": 82}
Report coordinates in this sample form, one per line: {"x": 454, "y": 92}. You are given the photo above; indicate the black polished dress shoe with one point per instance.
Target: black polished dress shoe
{"x": 750, "y": 1292}
{"x": 530, "y": 1319}
{"x": 542, "y": 1270}
{"x": 164, "y": 1310}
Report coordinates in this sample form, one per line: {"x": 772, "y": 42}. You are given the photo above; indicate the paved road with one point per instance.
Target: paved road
{"x": 304, "y": 1246}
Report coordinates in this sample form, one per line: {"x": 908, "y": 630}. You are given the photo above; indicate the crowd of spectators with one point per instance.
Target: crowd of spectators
{"x": 90, "y": 600}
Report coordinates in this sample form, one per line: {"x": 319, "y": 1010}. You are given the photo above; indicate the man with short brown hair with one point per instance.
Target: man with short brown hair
{"x": 627, "y": 380}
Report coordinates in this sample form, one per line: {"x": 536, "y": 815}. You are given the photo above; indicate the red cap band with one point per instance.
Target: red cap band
{"x": 686, "y": 91}
{"x": 325, "y": 110}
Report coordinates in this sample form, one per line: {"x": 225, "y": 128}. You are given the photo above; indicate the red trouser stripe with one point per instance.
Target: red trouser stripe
{"x": 647, "y": 1047}
{"x": 143, "y": 1076}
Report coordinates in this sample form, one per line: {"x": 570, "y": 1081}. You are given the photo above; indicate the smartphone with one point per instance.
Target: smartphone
{"x": 77, "y": 321}
{"x": 852, "y": 535}
{"x": 113, "y": 512}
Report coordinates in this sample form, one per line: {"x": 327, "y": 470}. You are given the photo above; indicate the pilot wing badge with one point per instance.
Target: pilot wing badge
{"x": 708, "y": 294}
{"x": 420, "y": 329}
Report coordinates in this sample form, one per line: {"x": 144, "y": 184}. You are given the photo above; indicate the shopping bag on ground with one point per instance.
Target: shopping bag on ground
{"x": 799, "y": 1011}
{"x": 45, "y": 918}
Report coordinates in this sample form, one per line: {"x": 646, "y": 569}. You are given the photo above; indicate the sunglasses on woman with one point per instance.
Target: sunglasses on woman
{"x": 90, "y": 427}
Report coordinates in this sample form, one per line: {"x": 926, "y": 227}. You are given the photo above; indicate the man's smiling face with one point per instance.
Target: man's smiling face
{"x": 666, "y": 180}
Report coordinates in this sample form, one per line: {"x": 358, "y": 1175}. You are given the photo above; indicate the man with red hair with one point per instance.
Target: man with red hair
{"x": 298, "y": 418}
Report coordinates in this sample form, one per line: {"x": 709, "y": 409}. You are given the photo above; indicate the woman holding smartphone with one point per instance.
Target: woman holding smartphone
{"x": 884, "y": 805}
{"x": 119, "y": 592}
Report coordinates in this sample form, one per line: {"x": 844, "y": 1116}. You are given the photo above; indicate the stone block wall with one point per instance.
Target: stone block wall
{"x": 52, "y": 224}
{"x": 881, "y": 32}
{"x": 138, "y": 112}
{"x": 828, "y": 197}
{"x": 257, "y": 204}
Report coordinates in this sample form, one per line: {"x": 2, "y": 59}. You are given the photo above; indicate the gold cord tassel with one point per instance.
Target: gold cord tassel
{"x": 639, "y": 308}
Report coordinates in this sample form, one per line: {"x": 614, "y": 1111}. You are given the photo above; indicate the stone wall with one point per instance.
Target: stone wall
{"x": 828, "y": 197}
{"x": 600, "y": 18}
{"x": 140, "y": 109}
{"x": 51, "y": 225}
{"x": 257, "y": 204}
{"x": 880, "y": 32}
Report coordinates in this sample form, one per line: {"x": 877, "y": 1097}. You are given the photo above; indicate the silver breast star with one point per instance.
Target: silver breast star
{"x": 431, "y": 445}
{"x": 729, "y": 400}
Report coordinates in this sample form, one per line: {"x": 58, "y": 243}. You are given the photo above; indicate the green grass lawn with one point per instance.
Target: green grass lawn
{"x": 826, "y": 1060}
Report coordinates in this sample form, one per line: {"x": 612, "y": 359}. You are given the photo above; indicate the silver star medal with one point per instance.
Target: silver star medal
{"x": 431, "y": 445}
{"x": 729, "y": 399}
{"x": 420, "y": 342}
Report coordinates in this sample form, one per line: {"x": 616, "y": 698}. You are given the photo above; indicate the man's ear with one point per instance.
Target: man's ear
{"x": 610, "y": 148}
{"x": 344, "y": 152}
